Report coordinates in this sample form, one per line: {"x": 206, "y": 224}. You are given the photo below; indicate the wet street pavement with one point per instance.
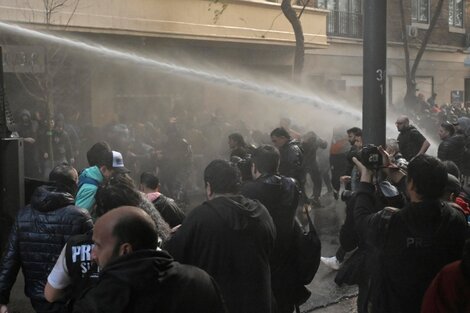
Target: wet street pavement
{"x": 326, "y": 297}
{"x": 325, "y": 291}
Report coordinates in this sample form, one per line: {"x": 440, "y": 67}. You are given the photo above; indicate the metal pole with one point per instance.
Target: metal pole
{"x": 374, "y": 75}
{"x": 3, "y": 113}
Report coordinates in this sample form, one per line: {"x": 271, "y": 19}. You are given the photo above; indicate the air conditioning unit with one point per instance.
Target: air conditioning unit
{"x": 412, "y": 31}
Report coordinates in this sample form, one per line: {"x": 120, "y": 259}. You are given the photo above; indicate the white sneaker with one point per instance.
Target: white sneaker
{"x": 332, "y": 262}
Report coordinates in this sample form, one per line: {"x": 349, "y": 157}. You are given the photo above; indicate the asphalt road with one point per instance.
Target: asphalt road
{"x": 326, "y": 295}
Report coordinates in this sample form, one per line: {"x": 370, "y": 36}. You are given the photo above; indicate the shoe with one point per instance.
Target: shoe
{"x": 332, "y": 263}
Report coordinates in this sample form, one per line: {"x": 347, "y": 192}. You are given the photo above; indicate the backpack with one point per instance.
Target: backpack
{"x": 307, "y": 258}
{"x": 308, "y": 251}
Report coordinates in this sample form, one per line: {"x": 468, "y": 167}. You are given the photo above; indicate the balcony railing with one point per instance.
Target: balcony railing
{"x": 344, "y": 24}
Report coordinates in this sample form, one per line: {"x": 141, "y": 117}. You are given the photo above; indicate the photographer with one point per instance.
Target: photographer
{"x": 412, "y": 244}
{"x": 354, "y": 270}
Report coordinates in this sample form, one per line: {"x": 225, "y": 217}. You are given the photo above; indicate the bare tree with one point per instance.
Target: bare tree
{"x": 410, "y": 96}
{"x": 41, "y": 86}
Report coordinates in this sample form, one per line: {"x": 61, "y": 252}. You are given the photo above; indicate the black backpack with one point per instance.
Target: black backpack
{"x": 308, "y": 251}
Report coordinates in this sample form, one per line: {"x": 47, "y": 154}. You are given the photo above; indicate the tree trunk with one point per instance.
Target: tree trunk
{"x": 410, "y": 97}
{"x": 291, "y": 16}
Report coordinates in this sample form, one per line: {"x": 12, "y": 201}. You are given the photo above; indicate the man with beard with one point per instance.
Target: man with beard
{"x": 411, "y": 142}
{"x": 135, "y": 277}
{"x": 291, "y": 156}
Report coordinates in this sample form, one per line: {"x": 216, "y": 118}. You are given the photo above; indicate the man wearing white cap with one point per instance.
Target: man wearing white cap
{"x": 92, "y": 177}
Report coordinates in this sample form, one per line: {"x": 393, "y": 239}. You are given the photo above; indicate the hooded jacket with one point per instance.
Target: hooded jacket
{"x": 37, "y": 237}
{"x": 291, "y": 159}
{"x": 452, "y": 149}
{"x": 419, "y": 240}
{"x": 148, "y": 281}
{"x": 230, "y": 237}
{"x": 281, "y": 196}
{"x": 88, "y": 183}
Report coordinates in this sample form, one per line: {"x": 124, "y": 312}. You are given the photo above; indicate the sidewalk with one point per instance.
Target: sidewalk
{"x": 346, "y": 305}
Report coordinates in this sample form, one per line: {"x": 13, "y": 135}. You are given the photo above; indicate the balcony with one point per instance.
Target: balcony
{"x": 344, "y": 24}
{"x": 253, "y": 21}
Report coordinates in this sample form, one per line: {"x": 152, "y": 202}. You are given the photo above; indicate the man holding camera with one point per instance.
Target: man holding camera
{"x": 411, "y": 244}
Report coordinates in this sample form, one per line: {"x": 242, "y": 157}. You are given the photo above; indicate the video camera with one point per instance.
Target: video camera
{"x": 244, "y": 165}
{"x": 371, "y": 157}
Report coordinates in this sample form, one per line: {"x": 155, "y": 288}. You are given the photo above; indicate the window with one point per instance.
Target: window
{"x": 420, "y": 11}
{"x": 344, "y": 18}
{"x": 456, "y": 13}
{"x": 322, "y": 4}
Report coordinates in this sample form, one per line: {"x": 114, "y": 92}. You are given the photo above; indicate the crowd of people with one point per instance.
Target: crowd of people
{"x": 118, "y": 236}
{"x": 406, "y": 220}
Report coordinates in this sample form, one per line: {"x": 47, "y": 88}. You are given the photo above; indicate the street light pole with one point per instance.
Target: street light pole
{"x": 374, "y": 108}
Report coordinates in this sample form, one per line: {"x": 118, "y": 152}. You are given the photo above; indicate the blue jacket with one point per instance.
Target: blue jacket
{"x": 88, "y": 183}
{"x": 37, "y": 238}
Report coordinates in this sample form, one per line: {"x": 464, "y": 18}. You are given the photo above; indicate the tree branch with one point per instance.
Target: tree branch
{"x": 405, "y": 42}
{"x": 303, "y": 8}
{"x": 427, "y": 36}
{"x": 291, "y": 16}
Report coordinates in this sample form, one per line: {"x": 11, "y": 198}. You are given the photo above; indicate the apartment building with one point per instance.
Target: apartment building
{"x": 444, "y": 68}
{"x": 249, "y": 34}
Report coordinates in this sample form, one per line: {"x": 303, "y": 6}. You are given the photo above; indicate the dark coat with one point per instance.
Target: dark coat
{"x": 310, "y": 146}
{"x": 231, "y": 238}
{"x": 37, "y": 238}
{"x": 148, "y": 281}
{"x": 410, "y": 141}
{"x": 452, "y": 149}
{"x": 280, "y": 195}
{"x": 169, "y": 210}
{"x": 421, "y": 238}
{"x": 291, "y": 159}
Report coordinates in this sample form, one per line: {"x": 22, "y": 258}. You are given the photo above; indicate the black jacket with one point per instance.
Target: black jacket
{"x": 452, "y": 149}
{"x": 280, "y": 195}
{"x": 310, "y": 146}
{"x": 410, "y": 141}
{"x": 149, "y": 281}
{"x": 37, "y": 237}
{"x": 419, "y": 240}
{"x": 169, "y": 210}
{"x": 231, "y": 238}
{"x": 291, "y": 159}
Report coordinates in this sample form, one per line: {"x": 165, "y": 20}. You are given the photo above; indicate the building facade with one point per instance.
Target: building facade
{"x": 249, "y": 34}
{"x": 444, "y": 68}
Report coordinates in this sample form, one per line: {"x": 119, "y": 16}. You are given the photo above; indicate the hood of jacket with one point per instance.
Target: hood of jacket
{"x": 136, "y": 267}
{"x": 239, "y": 213}
{"x": 93, "y": 173}
{"x": 48, "y": 198}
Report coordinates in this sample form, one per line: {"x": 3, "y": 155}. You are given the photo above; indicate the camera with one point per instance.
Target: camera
{"x": 346, "y": 195}
{"x": 371, "y": 157}
{"x": 244, "y": 165}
